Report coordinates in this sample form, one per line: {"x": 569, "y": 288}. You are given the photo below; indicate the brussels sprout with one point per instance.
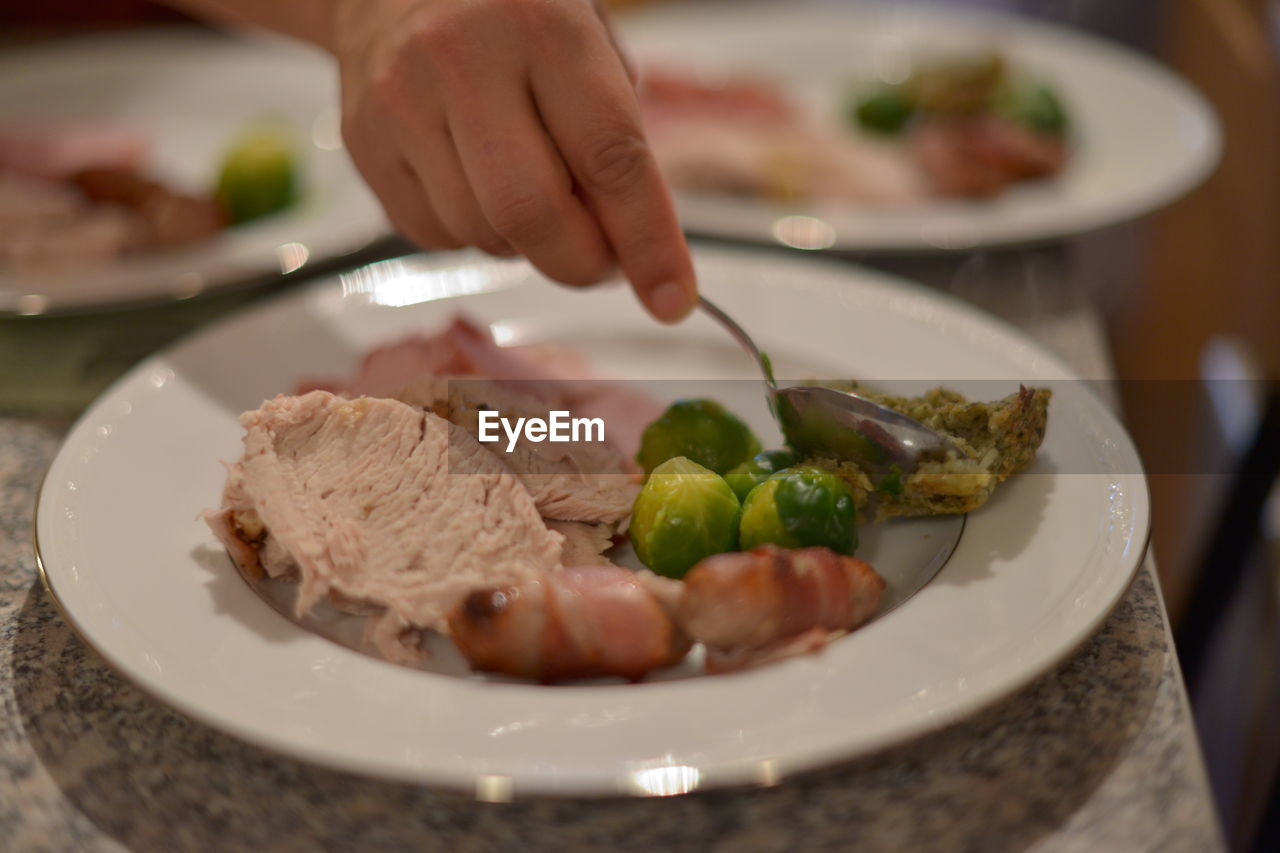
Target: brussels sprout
{"x": 685, "y": 512}
{"x": 1034, "y": 105}
{"x": 258, "y": 174}
{"x": 757, "y": 469}
{"x": 800, "y": 508}
{"x": 700, "y": 430}
{"x": 886, "y": 111}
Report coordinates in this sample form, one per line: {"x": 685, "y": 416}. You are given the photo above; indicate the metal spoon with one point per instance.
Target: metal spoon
{"x": 824, "y": 421}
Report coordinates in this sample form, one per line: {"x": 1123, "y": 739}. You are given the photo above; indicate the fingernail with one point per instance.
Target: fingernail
{"x": 670, "y": 302}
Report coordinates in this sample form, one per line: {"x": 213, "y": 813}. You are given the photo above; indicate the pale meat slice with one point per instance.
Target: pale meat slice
{"x": 240, "y": 528}
{"x": 745, "y": 137}
{"x": 580, "y": 480}
{"x": 584, "y": 544}
{"x": 236, "y": 524}
{"x": 170, "y": 218}
{"x": 386, "y": 507}
{"x": 56, "y": 150}
{"x": 707, "y": 155}
{"x": 48, "y": 226}
{"x": 461, "y": 349}
{"x": 553, "y": 374}
{"x": 26, "y": 201}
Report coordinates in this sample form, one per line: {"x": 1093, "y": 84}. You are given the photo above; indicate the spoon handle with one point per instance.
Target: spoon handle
{"x": 740, "y": 336}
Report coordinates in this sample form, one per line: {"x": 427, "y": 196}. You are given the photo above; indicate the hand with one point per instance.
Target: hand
{"x": 511, "y": 125}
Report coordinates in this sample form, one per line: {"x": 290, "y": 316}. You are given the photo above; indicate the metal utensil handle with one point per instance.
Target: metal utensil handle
{"x": 740, "y": 336}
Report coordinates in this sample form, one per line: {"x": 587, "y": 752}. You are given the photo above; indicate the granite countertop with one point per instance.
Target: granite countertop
{"x": 1098, "y": 754}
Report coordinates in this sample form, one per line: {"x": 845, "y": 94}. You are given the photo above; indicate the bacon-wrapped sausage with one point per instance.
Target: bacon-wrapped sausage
{"x": 574, "y": 623}
{"x": 772, "y": 602}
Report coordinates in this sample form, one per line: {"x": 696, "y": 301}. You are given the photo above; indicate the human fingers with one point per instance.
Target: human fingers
{"x": 519, "y": 180}
{"x": 632, "y": 73}
{"x": 431, "y": 152}
{"x": 398, "y": 187}
{"x": 590, "y": 110}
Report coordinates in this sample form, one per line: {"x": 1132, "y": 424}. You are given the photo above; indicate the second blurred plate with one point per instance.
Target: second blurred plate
{"x": 1142, "y": 137}
{"x": 190, "y": 93}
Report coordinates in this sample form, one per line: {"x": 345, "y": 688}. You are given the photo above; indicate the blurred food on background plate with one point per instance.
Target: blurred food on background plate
{"x": 961, "y": 127}
{"x": 73, "y": 194}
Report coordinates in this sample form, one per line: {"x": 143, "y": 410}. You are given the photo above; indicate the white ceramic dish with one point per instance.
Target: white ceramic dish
{"x": 191, "y": 93}
{"x": 144, "y": 583}
{"x": 1142, "y": 136}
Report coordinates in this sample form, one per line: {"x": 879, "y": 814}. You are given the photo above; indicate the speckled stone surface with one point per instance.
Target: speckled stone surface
{"x": 1098, "y": 754}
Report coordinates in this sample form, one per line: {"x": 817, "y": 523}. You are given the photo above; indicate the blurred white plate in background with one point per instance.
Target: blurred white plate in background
{"x": 1142, "y": 136}
{"x": 190, "y": 93}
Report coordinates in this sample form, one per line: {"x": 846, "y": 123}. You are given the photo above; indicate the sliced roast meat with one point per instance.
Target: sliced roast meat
{"x": 569, "y": 481}
{"x": 54, "y": 151}
{"x": 29, "y": 202}
{"x": 584, "y": 544}
{"x": 237, "y": 525}
{"x": 380, "y": 506}
{"x": 90, "y": 234}
{"x": 171, "y": 218}
{"x": 557, "y": 377}
{"x": 461, "y": 349}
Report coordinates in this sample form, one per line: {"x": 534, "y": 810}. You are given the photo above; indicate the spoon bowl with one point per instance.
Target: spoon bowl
{"x": 820, "y": 421}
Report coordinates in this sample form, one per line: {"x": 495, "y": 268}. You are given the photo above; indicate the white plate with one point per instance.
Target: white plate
{"x": 1142, "y": 137}
{"x": 191, "y": 93}
{"x": 1034, "y": 574}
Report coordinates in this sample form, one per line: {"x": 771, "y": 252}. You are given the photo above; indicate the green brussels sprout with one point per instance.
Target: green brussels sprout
{"x": 1033, "y": 105}
{"x": 258, "y": 175}
{"x": 701, "y": 430}
{"x": 801, "y": 508}
{"x": 685, "y": 512}
{"x": 745, "y": 477}
{"x": 886, "y": 111}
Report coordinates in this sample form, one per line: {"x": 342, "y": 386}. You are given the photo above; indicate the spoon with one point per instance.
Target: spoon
{"x": 827, "y": 422}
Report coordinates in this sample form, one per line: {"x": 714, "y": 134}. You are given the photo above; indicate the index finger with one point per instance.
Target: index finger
{"x": 590, "y": 109}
